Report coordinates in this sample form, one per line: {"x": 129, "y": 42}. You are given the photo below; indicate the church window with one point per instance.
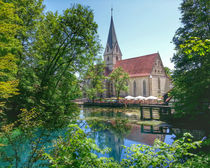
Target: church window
{"x": 107, "y": 49}
{"x": 144, "y": 88}
{"x": 159, "y": 83}
{"x": 155, "y": 71}
{"x": 134, "y": 88}
{"x": 107, "y": 58}
{"x": 116, "y": 58}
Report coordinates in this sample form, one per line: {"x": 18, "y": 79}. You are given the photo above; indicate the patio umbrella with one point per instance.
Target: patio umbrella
{"x": 140, "y": 98}
{"x": 151, "y": 98}
{"x": 129, "y": 97}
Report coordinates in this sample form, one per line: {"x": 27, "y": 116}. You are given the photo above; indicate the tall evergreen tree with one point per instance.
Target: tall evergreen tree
{"x": 192, "y": 62}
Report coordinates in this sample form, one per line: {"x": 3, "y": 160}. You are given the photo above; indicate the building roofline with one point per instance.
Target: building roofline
{"x": 137, "y": 57}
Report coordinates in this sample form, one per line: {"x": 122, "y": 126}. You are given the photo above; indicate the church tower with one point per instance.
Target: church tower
{"x": 112, "y": 52}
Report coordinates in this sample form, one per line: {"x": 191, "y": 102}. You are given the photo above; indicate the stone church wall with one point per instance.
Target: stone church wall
{"x": 139, "y": 87}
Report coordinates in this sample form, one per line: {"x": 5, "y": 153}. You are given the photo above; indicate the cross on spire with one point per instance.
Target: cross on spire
{"x": 111, "y": 11}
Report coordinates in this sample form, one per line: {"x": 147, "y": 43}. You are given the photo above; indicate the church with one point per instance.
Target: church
{"x": 147, "y": 74}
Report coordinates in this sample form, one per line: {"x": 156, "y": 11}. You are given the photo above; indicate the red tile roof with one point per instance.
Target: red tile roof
{"x": 139, "y": 66}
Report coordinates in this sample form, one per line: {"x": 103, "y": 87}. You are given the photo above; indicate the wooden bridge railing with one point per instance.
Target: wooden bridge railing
{"x": 162, "y": 109}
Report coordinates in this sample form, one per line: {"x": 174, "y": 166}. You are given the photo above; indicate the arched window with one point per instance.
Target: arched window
{"x": 107, "y": 58}
{"x": 144, "y": 88}
{"x": 107, "y": 49}
{"x": 116, "y": 48}
{"x": 116, "y": 58}
{"x": 134, "y": 88}
{"x": 158, "y": 83}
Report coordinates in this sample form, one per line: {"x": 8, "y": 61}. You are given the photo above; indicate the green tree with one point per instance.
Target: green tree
{"x": 65, "y": 45}
{"x": 9, "y": 46}
{"x": 192, "y": 85}
{"x": 195, "y": 21}
{"x": 29, "y": 12}
{"x": 191, "y": 74}
{"x": 94, "y": 81}
{"x": 120, "y": 79}
{"x": 168, "y": 71}
{"x": 55, "y": 48}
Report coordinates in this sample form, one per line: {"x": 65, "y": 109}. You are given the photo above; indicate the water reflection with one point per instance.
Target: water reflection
{"x": 115, "y": 128}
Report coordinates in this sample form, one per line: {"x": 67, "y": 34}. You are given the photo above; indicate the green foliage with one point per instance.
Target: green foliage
{"x": 77, "y": 151}
{"x": 168, "y": 71}
{"x": 191, "y": 79}
{"x": 120, "y": 79}
{"x": 161, "y": 154}
{"x": 192, "y": 62}
{"x": 195, "y": 21}
{"x": 20, "y": 136}
{"x": 9, "y": 46}
{"x": 55, "y": 48}
{"x": 94, "y": 84}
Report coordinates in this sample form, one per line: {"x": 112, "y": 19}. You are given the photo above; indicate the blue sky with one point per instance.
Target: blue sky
{"x": 142, "y": 26}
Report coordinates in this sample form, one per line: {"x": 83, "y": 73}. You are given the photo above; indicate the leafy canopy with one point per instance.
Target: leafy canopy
{"x": 94, "y": 84}
{"x": 9, "y": 46}
{"x": 192, "y": 62}
{"x": 120, "y": 79}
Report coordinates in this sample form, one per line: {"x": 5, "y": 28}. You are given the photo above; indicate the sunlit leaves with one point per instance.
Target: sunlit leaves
{"x": 76, "y": 150}
{"x": 9, "y": 45}
{"x": 192, "y": 62}
{"x": 94, "y": 80}
{"x": 120, "y": 79}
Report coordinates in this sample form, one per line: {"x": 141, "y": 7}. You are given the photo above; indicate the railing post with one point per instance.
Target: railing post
{"x": 142, "y": 113}
{"x": 151, "y": 117}
{"x": 160, "y": 110}
{"x": 142, "y": 128}
{"x": 161, "y": 130}
{"x": 151, "y": 129}
{"x": 169, "y": 111}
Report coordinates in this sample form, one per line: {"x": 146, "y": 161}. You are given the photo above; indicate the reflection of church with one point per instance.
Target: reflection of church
{"x": 114, "y": 133}
{"x": 147, "y": 74}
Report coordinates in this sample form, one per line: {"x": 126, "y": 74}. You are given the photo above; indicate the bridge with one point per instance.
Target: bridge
{"x": 162, "y": 110}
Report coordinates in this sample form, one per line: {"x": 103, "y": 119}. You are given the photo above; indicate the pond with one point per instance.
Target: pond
{"x": 113, "y": 128}
{"x": 109, "y": 127}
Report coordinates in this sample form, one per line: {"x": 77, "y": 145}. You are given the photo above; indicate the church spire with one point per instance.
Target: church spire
{"x": 112, "y": 52}
{"x": 111, "y": 11}
{"x": 112, "y": 38}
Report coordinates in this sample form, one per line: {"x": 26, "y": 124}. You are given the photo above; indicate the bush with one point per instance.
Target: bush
{"x": 76, "y": 150}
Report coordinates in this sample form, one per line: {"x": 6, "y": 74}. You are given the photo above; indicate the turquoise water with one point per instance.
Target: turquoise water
{"x": 115, "y": 128}
{"x": 110, "y": 128}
